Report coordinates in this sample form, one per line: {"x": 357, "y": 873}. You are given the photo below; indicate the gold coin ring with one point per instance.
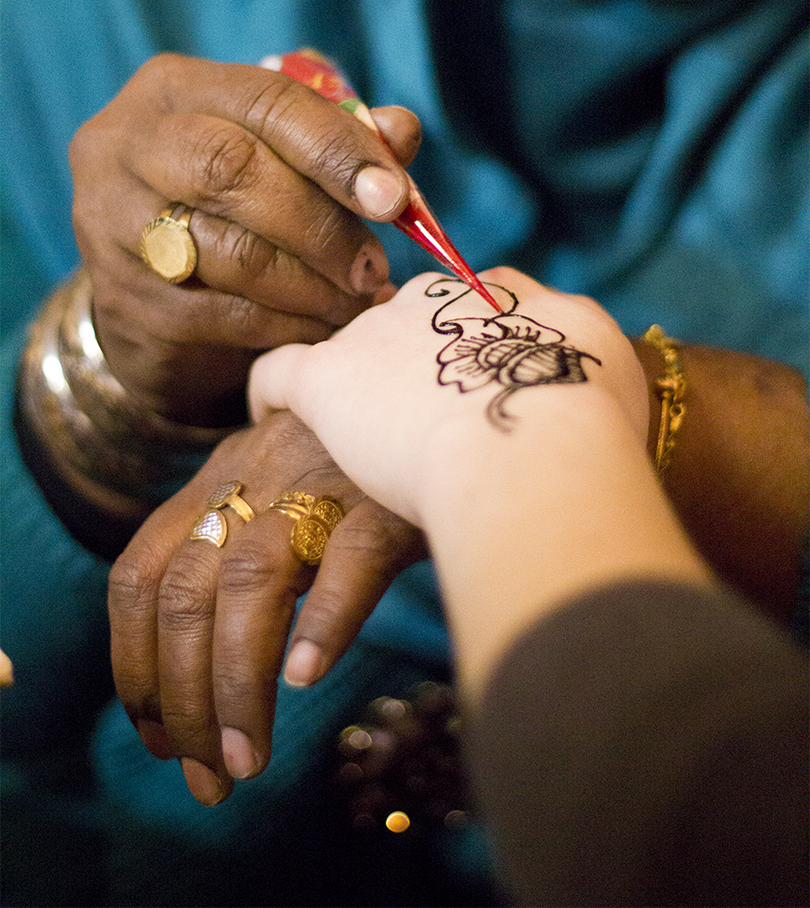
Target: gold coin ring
{"x": 315, "y": 519}
{"x": 168, "y": 247}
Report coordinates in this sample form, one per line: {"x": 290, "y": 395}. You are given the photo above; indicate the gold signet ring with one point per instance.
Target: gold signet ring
{"x": 315, "y": 518}
{"x": 168, "y": 247}
{"x": 212, "y": 526}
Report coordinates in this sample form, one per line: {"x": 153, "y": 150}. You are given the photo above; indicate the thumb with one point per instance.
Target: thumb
{"x": 401, "y": 130}
{"x": 272, "y": 380}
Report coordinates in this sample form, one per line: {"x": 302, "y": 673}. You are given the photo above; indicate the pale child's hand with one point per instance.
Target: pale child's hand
{"x": 437, "y": 360}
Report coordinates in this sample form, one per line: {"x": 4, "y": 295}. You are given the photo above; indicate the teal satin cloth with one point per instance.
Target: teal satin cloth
{"x": 652, "y": 155}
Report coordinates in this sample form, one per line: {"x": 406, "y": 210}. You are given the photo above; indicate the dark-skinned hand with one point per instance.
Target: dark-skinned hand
{"x": 199, "y": 632}
{"x": 278, "y": 178}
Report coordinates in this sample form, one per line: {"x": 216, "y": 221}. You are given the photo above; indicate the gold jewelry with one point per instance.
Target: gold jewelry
{"x": 315, "y": 518}
{"x": 670, "y": 389}
{"x": 118, "y": 454}
{"x": 168, "y": 247}
{"x": 212, "y": 526}
{"x": 227, "y": 495}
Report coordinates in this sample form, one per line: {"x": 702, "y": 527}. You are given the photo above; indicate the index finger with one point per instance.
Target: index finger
{"x": 312, "y": 135}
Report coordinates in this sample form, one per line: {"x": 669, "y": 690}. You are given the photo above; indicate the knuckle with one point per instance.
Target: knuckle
{"x": 366, "y": 539}
{"x": 383, "y": 540}
{"x": 238, "y": 686}
{"x": 328, "y": 615}
{"x": 242, "y": 246}
{"x": 191, "y": 723}
{"x": 82, "y": 218}
{"x": 158, "y": 73}
{"x": 223, "y": 160}
{"x": 336, "y": 158}
{"x": 289, "y": 436}
{"x": 131, "y": 583}
{"x": 81, "y": 145}
{"x": 185, "y": 596}
{"x": 157, "y": 67}
{"x": 248, "y": 568}
{"x": 330, "y": 147}
{"x": 240, "y": 315}
{"x": 275, "y": 103}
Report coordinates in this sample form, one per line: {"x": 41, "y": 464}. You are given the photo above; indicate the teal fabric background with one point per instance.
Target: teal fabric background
{"x": 653, "y": 155}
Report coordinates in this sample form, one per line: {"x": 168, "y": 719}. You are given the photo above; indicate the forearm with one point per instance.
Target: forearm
{"x": 738, "y": 476}
{"x": 683, "y": 717}
{"x": 512, "y": 543}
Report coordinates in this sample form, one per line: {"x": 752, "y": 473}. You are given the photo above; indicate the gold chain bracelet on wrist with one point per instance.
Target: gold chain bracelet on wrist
{"x": 117, "y": 453}
{"x": 670, "y": 389}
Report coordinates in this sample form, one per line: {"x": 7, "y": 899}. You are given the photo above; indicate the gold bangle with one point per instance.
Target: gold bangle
{"x": 117, "y": 453}
{"x": 100, "y": 394}
{"x": 670, "y": 389}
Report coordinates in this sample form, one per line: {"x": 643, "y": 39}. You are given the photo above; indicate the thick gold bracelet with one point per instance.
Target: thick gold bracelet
{"x": 670, "y": 389}
{"x": 117, "y": 453}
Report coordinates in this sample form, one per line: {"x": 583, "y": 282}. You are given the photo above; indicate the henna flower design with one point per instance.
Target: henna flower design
{"x": 514, "y": 351}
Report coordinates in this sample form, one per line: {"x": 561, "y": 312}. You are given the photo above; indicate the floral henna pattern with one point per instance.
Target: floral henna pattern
{"x": 511, "y": 350}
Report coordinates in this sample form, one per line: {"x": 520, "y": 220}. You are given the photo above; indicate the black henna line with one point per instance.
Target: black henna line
{"x": 505, "y": 348}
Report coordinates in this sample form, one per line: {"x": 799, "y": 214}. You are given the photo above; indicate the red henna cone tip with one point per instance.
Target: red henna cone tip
{"x": 419, "y": 223}
{"x": 481, "y": 290}
{"x": 472, "y": 280}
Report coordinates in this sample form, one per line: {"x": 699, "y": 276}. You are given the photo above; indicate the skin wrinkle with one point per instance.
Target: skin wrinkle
{"x": 319, "y": 232}
{"x": 227, "y": 161}
{"x": 249, "y": 569}
{"x": 242, "y": 316}
{"x": 135, "y": 581}
{"x": 236, "y": 685}
{"x": 373, "y": 540}
{"x": 264, "y": 107}
{"x": 262, "y": 313}
{"x": 198, "y": 728}
{"x": 284, "y": 97}
{"x": 184, "y": 608}
{"x": 319, "y": 147}
{"x": 337, "y": 157}
{"x": 247, "y": 248}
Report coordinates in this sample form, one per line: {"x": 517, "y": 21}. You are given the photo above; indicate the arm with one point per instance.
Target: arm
{"x": 740, "y": 473}
{"x": 638, "y": 736}
{"x": 549, "y": 499}
{"x": 130, "y": 381}
{"x": 695, "y": 764}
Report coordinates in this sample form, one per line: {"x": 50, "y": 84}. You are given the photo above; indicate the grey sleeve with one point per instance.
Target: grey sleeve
{"x": 648, "y": 745}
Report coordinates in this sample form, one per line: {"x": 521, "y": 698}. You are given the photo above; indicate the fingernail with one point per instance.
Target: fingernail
{"x": 378, "y": 191}
{"x": 241, "y": 759}
{"x": 202, "y": 782}
{"x": 305, "y": 664}
{"x": 154, "y": 736}
{"x": 369, "y": 270}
